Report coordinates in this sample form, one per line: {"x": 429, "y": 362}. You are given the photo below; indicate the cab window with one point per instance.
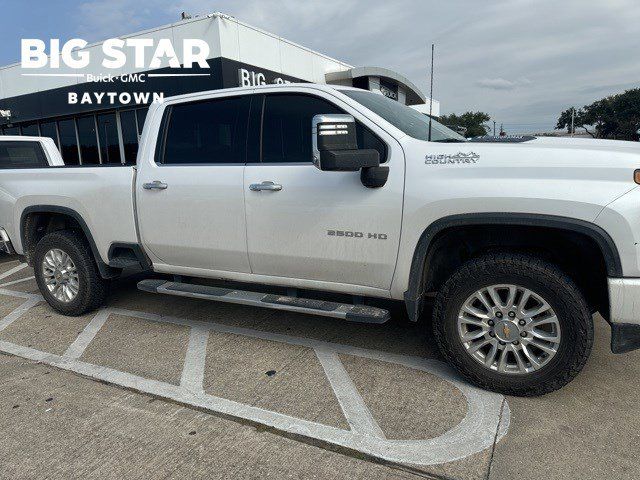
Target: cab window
{"x": 206, "y": 132}
{"x": 286, "y": 128}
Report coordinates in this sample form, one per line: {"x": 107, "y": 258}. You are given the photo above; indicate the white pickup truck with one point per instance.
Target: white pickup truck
{"x": 309, "y": 190}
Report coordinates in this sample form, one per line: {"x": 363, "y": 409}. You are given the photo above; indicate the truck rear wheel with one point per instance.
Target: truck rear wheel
{"x": 514, "y": 324}
{"x": 67, "y": 274}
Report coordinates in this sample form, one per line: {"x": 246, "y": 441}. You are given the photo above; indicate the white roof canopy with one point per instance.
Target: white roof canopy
{"x": 414, "y": 95}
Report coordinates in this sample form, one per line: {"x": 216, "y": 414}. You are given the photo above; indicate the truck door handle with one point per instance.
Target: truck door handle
{"x": 269, "y": 186}
{"x": 157, "y": 185}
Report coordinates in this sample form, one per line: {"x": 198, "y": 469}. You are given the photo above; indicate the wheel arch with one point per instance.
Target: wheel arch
{"x": 105, "y": 270}
{"x": 414, "y": 296}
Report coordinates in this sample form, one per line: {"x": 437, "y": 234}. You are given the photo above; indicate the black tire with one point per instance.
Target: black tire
{"x": 92, "y": 290}
{"x": 529, "y": 272}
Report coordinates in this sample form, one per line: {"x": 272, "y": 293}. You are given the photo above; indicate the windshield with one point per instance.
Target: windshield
{"x": 410, "y": 121}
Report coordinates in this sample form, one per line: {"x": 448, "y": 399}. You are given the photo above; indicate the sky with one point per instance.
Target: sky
{"x": 520, "y": 61}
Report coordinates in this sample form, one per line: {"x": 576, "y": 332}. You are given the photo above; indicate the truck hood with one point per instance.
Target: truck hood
{"x": 569, "y": 143}
{"x": 539, "y": 153}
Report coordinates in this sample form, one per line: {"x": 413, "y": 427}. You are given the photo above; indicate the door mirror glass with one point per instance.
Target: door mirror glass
{"x": 335, "y": 145}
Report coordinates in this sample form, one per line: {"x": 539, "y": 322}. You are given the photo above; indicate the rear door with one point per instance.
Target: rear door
{"x": 190, "y": 196}
{"x": 321, "y": 226}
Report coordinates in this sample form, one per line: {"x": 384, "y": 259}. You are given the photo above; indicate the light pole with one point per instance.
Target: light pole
{"x": 573, "y": 121}
{"x": 433, "y": 49}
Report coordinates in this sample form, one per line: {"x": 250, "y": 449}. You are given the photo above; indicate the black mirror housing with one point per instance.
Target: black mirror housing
{"x": 348, "y": 160}
{"x": 374, "y": 177}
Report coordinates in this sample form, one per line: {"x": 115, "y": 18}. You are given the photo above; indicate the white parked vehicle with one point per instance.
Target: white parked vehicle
{"x": 309, "y": 189}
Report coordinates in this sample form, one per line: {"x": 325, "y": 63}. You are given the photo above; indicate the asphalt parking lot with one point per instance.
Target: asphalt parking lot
{"x": 161, "y": 387}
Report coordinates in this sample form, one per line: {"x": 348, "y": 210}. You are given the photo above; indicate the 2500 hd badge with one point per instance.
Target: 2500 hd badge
{"x": 343, "y": 233}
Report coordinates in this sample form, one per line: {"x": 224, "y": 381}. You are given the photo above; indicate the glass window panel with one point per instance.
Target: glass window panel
{"x": 68, "y": 142}
{"x": 88, "y": 140}
{"x": 108, "y": 134}
{"x": 142, "y": 115}
{"x": 286, "y": 134}
{"x": 410, "y": 121}
{"x": 30, "y": 130}
{"x": 48, "y": 129}
{"x": 213, "y": 131}
{"x": 129, "y": 136}
{"x": 286, "y": 137}
{"x": 22, "y": 155}
{"x": 11, "y": 131}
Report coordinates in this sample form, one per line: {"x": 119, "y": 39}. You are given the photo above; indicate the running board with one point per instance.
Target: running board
{"x": 351, "y": 313}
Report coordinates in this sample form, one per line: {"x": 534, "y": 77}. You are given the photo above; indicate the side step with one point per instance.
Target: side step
{"x": 351, "y": 313}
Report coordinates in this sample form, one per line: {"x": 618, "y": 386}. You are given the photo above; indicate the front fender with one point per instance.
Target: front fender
{"x": 413, "y": 295}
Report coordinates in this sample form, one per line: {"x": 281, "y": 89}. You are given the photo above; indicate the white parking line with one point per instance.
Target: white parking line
{"x": 77, "y": 348}
{"x": 355, "y": 410}
{"x": 194, "y": 363}
{"x": 18, "y": 312}
{"x": 486, "y": 420}
{"x": 8, "y": 273}
{"x": 15, "y": 293}
{"x": 15, "y": 282}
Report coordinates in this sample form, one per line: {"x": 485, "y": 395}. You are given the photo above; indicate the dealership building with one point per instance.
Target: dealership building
{"x": 36, "y": 101}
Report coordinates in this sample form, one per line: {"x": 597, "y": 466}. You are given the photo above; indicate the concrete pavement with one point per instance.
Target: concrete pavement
{"x": 59, "y": 423}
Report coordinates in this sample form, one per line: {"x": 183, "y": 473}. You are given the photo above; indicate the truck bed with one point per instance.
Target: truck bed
{"x": 101, "y": 195}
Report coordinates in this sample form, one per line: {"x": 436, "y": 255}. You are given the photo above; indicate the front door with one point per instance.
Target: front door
{"x": 320, "y": 226}
{"x": 191, "y": 199}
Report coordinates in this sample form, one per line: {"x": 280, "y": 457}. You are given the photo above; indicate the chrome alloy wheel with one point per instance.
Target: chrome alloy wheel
{"x": 60, "y": 275}
{"x": 509, "y": 329}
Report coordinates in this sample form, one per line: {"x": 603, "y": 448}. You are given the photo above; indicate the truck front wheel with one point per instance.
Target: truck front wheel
{"x": 514, "y": 324}
{"x": 67, "y": 274}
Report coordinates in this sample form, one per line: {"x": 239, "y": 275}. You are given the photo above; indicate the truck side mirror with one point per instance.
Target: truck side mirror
{"x": 335, "y": 147}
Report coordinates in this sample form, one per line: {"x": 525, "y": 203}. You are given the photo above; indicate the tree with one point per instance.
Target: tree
{"x": 470, "y": 124}
{"x": 614, "y": 117}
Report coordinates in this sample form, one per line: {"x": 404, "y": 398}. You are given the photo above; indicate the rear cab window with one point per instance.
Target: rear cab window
{"x": 19, "y": 154}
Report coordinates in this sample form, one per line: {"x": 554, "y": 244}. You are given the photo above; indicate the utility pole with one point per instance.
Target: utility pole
{"x": 573, "y": 121}
{"x": 494, "y": 128}
{"x": 433, "y": 49}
